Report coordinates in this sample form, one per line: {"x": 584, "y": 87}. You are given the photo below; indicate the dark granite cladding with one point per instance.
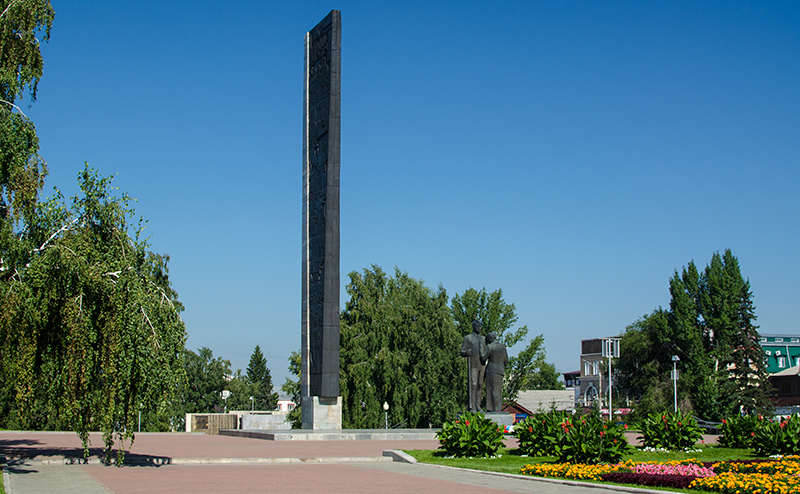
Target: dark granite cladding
{"x": 321, "y": 208}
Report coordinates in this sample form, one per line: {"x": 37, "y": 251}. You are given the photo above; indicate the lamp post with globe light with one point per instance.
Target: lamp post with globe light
{"x": 675, "y": 360}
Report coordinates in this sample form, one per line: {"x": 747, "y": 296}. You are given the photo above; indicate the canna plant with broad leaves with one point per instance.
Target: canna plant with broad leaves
{"x": 673, "y": 431}
{"x": 542, "y": 434}
{"x": 571, "y": 437}
{"x": 472, "y": 435}
{"x": 738, "y": 431}
{"x": 777, "y": 438}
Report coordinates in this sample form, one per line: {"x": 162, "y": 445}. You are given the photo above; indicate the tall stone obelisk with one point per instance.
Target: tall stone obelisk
{"x": 319, "y": 379}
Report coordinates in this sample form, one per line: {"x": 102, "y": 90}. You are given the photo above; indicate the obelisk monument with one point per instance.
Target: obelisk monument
{"x": 319, "y": 377}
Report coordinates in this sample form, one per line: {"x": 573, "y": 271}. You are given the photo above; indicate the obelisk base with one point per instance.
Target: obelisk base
{"x": 319, "y": 412}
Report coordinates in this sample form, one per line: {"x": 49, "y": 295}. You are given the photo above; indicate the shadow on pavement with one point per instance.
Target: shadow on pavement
{"x": 17, "y": 451}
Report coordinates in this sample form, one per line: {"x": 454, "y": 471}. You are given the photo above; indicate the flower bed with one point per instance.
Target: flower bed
{"x": 749, "y": 483}
{"x": 746, "y": 477}
{"x": 650, "y": 479}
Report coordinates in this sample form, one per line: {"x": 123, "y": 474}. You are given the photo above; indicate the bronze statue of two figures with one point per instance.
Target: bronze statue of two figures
{"x": 486, "y": 360}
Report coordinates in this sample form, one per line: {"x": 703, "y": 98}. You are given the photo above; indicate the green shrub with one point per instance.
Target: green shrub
{"x": 471, "y": 435}
{"x": 541, "y": 434}
{"x": 738, "y": 432}
{"x": 589, "y": 440}
{"x": 571, "y": 438}
{"x": 777, "y": 438}
{"x": 671, "y": 431}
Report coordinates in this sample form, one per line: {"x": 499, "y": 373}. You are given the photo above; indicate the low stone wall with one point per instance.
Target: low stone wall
{"x": 276, "y": 421}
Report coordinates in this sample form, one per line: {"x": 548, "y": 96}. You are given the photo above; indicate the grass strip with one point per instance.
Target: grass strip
{"x": 512, "y": 460}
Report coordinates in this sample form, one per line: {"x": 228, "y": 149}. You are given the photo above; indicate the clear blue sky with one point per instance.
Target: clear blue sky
{"x": 573, "y": 154}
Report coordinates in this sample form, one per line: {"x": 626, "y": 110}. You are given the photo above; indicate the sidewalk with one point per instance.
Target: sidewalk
{"x": 196, "y": 463}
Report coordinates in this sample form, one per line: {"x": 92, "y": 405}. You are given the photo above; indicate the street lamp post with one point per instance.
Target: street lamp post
{"x": 386, "y": 415}
{"x": 675, "y": 360}
{"x": 610, "y": 350}
{"x": 252, "y": 404}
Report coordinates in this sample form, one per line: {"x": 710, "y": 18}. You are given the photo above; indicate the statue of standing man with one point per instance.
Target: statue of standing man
{"x": 474, "y": 348}
{"x": 496, "y": 359}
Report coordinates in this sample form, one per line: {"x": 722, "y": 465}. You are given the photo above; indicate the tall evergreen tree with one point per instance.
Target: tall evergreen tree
{"x": 710, "y": 326}
{"x": 261, "y": 381}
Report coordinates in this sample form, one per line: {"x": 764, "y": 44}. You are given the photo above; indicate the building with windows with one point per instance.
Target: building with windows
{"x": 591, "y": 370}
{"x": 781, "y": 351}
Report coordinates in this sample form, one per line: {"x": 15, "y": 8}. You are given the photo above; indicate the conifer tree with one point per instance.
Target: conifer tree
{"x": 711, "y": 329}
{"x": 260, "y": 380}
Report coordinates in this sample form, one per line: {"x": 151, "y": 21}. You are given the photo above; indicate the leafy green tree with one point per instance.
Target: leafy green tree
{"x": 711, "y": 327}
{"x": 90, "y": 328}
{"x": 22, "y": 171}
{"x": 239, "y": 390}
{"x": 206, "y": 381}
{"x": 260, "y": 379}
{"x": 546, "y": 378}
{"x": 399, "y": 346}
{"x": 292, "y": 389}
{"x": 89, "y": 324}
{"x": 645, "y": 354}
{"x": 524, "y": 370}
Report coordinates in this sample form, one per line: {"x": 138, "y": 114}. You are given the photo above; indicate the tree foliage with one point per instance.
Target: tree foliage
{"x": 399, "y": 346}
{"x": 205, "y": 375}
{"x": 89, "y": 324}
{"x": 260, "y": 380}
{"x": 292, "y": 389}
{"x": 710, "y": 326}
{"x": 22, "y": 171}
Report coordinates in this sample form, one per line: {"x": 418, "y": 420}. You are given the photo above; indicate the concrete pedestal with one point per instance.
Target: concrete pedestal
{"x": 500, "y": 418}
{"x": 321, "y": 413}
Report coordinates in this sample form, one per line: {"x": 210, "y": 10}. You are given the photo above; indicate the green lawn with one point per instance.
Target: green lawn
{"x": 511, "y": 461}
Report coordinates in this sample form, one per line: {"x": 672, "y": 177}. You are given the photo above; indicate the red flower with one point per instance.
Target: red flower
{"x": 467, "y": 422}
{"x": 625, "y": 425}
{"x": 530, "y": 429}
{"x": 601, "y": 433}
{"x": 724, "y": 421}
{"x": 752, "y": 434}
{"x": 679, "y": 424}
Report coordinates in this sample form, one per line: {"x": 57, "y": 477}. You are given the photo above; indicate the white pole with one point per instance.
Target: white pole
{"x": 675, "y": 383}
{"x": 610, "y": 392}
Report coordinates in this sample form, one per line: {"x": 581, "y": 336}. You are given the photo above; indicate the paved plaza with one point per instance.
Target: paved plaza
{"x": 197, "y": 463}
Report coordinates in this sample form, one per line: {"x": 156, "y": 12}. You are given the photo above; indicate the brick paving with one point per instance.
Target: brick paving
{"x": 36, "y": 465}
